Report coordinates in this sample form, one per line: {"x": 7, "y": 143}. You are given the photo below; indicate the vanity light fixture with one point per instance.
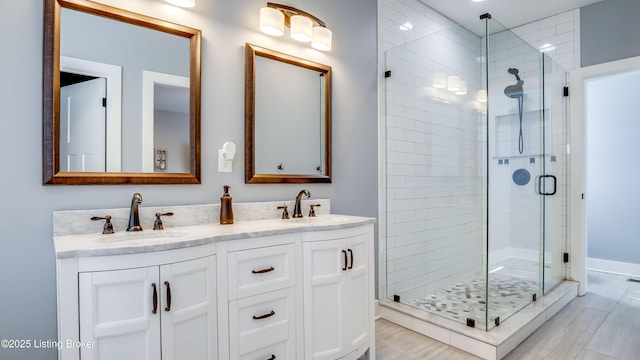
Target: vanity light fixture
{"x": 303, "y": 26}
{"x": 183, "y": 3}
{"x": 271, "y": 21}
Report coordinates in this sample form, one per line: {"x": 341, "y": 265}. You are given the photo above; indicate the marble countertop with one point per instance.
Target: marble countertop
{"x": 122, "y": 242}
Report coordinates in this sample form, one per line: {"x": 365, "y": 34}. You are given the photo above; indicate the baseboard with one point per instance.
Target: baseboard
{"x": 614, "y": 267}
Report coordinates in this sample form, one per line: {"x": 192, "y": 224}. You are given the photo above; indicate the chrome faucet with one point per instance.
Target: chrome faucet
{"x": 297, "y": 211}
{"x": 134, "y": 218}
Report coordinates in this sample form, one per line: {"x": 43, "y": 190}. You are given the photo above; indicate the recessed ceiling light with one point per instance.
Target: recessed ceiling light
{"x": 406, "y": 26}
{"x": 546, "y": 47}
{"x": 477, "y": 0}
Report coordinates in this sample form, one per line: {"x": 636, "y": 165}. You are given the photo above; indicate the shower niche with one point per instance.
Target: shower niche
{"x": 475, "y": 202}
{"x": 511, "y": 138}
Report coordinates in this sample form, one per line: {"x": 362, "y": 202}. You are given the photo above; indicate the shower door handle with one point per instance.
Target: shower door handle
{"x": 540, "y": 181}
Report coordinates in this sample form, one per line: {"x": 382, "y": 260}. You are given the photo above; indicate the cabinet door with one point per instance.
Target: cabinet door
{"x": 324, "y": 262}
{"x": 116, "y": 312}
{"x": 357, "y": 298}
{"x": 188, "y": 309}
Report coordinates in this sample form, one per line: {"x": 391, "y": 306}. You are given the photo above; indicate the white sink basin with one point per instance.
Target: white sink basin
{"x": 140, "y": 235}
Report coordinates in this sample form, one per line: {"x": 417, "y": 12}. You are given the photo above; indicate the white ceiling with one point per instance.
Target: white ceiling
{"x": 510, "y": 13}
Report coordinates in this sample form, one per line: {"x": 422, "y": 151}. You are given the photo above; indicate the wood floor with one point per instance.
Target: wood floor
{"x": 602, "y": 325}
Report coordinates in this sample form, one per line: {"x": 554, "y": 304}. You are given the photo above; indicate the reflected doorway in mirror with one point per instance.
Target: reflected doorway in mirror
{"x": 111, "y": 134}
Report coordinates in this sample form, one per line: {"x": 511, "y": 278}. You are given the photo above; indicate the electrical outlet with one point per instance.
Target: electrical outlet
{"x": 223, "y": 164}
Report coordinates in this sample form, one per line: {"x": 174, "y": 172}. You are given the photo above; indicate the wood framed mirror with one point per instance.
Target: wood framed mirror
{"x": 149, "y": 73}
{"x": 287, "y": 118}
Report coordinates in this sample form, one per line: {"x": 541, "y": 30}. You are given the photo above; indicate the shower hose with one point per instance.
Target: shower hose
{"x": 520, "y": 137}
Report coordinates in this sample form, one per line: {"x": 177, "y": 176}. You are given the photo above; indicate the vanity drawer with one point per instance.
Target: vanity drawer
{"x": 262, "y": 322}
{"x": 260, "y": 270}
{"x": 278, "y": 351}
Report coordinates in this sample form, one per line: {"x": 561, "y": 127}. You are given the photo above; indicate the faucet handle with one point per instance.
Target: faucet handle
{"x": 285, "y": 213}
{"x": 312, "y": 211}
{"x": 157, "y": 225}
{"x": 108, "y": 226}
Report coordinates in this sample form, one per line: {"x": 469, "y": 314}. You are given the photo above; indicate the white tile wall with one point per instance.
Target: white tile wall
{"x": 562, "y": 31}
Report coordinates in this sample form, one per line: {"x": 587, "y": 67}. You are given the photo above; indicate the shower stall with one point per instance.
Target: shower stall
{"x": 475, "y": 178}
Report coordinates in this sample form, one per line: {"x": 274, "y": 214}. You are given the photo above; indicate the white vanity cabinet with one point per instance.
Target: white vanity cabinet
{"x": 255, "y": 290}
{"x": 163, "y": 312}
{"x": 338, "y": 298}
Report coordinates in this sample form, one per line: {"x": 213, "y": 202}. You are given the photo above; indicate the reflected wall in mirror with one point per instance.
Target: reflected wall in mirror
{"x": 287, "y": 118}
{"x": 119, "y": 87}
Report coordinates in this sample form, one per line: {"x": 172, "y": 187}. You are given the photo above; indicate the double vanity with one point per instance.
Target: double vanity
{"x": 261, "y": 288}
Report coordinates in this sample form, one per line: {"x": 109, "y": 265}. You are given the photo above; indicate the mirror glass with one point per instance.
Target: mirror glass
{"x": 122, "y": 97}
{"x": 287, "y": 118}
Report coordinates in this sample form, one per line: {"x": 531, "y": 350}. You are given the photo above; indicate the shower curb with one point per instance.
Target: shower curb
{"x": 490, "y": 345}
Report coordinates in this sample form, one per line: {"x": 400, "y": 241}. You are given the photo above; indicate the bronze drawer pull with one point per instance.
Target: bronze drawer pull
{"x": 155, "y": 299}
{"x": 168, "y": 308}
{"x": 350, "y": 253}
{"x": 264, "y": 316}
{"x": 270, "y": 269}
{"x": 344, "y": 268}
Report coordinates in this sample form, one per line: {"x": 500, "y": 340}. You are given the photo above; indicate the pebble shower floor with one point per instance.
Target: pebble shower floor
{"x": 466, "y": 299}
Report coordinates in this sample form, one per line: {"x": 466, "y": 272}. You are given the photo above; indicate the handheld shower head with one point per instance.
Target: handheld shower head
{"x": 514, "y": 91}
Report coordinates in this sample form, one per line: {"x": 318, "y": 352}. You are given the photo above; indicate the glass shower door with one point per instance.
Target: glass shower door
{"x": 554, "y": 185}
{"x": 515, "y": 173}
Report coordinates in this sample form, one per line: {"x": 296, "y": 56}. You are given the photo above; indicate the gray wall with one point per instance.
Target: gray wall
{"x": 609, "y": 30}
{"x": 27, "y": 264}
